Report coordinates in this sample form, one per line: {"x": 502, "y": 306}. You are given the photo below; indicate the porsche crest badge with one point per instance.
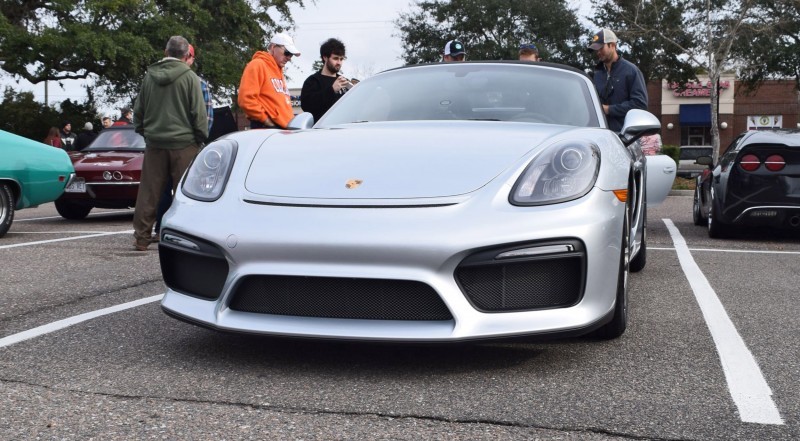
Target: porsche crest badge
{"x": 353, "y": 183}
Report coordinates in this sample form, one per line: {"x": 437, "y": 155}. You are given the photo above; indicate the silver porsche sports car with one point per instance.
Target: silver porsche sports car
{"x": 439, "y": 202}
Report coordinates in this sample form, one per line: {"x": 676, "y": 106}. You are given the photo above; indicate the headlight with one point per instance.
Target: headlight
{"x": 208, "y": 174}
{"x": 564, "y": 171}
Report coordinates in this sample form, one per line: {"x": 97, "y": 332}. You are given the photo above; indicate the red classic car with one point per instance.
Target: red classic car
{"x": 108, "y": 173}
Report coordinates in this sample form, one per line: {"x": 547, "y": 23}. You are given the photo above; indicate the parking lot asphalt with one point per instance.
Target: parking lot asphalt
{"x": 136, "y": 373}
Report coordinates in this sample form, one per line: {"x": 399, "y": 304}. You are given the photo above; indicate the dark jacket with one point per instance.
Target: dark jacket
{"x": 84, "y": 139}
{"x": 317, "y": 95}
{"x": 622, "y": 89}
{"x": 170, "y": 111}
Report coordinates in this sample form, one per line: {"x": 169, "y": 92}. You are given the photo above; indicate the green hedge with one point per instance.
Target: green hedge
{"x": 671, "y": 150}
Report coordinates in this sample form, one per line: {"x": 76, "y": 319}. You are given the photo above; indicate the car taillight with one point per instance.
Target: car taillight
{"x": 750, "y": 163}
{"x": 775, "y": 163}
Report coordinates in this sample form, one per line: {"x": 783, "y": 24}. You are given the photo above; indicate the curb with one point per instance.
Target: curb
{"x": 681, "y": 192}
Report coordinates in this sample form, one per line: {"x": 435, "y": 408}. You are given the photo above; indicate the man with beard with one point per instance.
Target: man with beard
{"x": 322, "y": 89}
{"x": 619, "y": 82}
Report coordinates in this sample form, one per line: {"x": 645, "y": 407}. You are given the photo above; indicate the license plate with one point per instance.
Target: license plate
{"x": 78, "y": 185}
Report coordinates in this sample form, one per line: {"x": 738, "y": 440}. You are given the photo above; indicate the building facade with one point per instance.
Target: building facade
{"x": 685, "y": 113}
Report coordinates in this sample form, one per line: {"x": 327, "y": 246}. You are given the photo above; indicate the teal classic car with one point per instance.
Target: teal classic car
{"x": 31, "y": 173}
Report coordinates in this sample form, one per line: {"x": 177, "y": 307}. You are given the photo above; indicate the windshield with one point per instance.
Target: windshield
{"x": 693, "y": 153}
{"x": 466, "y": 91}
{"x": 117, "y": 140}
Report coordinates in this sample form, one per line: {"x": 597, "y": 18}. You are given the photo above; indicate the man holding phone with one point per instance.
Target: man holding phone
{"x": 322, "y": 89}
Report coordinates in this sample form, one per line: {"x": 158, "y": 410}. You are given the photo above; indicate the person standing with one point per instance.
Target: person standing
{"x": 528, "y": 52}
{"x": 126, "y": 117}
{"x": 263, "y": 94}
{"x": 166, "y": 196}
{"x": 85, "y": 137}
{"x": 322, "y": 89}
{"x": 454, "y": 51}
{"x": 170, "y": 114}
{"x": 619, "y": 82}
{"x": 53, "y": 138}
{"x": 67, "y": 136}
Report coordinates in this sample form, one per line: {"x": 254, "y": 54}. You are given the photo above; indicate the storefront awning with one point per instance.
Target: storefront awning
{"x": 696, "y": 115}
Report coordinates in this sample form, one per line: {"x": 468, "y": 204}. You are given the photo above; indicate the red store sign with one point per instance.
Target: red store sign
{"x": 696, "y": 89}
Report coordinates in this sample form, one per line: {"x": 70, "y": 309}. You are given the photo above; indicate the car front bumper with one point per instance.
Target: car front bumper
{"x": 424, "y": 245}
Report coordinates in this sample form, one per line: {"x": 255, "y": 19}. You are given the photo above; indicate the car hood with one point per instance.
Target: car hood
{"x": 391, "y": 160}
{"x": 105, "y": 160}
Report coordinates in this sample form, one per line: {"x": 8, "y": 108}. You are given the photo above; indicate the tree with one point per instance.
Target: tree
{"x": 772, "y": 54}
{"x": 22, "y": 115}
{"x": 113, "y": 41}
{"x": 657, "y": 58}
{"x": 493, "y": 29}
{"x": 711, "y": 26}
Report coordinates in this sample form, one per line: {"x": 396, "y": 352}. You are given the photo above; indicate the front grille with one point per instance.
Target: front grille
{"x": 333, "y": 297}
{"x": 521, "y": 285}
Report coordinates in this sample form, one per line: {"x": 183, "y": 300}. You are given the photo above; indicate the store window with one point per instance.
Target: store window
{"x": 694, "y": 135}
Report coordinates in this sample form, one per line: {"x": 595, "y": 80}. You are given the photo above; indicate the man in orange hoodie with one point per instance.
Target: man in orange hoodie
{"x": 263, "y": 93}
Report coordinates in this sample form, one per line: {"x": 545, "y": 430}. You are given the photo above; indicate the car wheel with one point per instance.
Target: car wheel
{"x": 71, "y": 210}
{"x": 7, "y": 205}
{"x": 716, "y": 229}
{"x": 616, "y": 327}
{"x": 638, "y": 263}
{"x": 697, "y": 210}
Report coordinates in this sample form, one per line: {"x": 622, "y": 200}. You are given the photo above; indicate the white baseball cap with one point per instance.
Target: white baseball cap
{"x": 283, "y": 39}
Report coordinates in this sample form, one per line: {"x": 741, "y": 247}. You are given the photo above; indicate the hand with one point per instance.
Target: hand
{"x": 605, "y": 109}
{"x": 341, "y": 84}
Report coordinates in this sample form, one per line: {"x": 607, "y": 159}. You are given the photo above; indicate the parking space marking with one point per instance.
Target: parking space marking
{"x": 716, "y": 250}
{"x": 86, "y": 236}
{"x": 59, "y": 232}
{"x": 74, "y": 320}
{"x": 749, "y": 390}
{"x": 100, "y": 214}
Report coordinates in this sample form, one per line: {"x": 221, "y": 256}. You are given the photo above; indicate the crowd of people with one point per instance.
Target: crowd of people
{"x": 174, "y": 112}
{"x": 65, "y": 138}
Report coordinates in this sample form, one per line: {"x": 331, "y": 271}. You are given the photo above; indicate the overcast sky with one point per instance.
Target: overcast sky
{"x": 365, "y": 26}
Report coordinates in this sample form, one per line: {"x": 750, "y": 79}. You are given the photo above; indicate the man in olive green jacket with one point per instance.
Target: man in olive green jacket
{"x": 170, "y": 113}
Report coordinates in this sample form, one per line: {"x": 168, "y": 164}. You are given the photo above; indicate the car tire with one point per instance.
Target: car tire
{"x": 71, "y": 210}
{"x": 7, "y": 206}
{"x": 697, "y": 210}
{"x": 638, "y": 263}
{"x": 619, "y": 323}
{"x": 716, "y": 229}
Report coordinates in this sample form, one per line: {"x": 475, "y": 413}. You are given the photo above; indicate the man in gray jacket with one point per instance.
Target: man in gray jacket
{"x": 170, "y": 113}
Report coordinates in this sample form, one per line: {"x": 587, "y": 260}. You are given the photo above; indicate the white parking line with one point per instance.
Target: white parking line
{"x": 59, "y": 232}
{"x": 749, "y": 390}
{"x": 86, "y": 236}
{"x": 713, "y": 250}
{"x": 74, "y": 320}
{"x": 98, "y": 214}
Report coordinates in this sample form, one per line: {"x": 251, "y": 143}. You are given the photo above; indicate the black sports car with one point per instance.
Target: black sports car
{"x": 755, "y": 183}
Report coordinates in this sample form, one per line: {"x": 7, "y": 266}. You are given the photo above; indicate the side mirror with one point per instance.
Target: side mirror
{"x": 704, "y": 160}
{"x": 302, "y": 121}
{"x": 638, "y": 123}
